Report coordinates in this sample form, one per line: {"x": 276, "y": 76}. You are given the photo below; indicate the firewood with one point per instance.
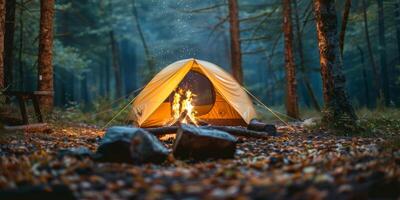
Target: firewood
{"x": 234, "y": 130}
{"x": 177, "y": 121}
{"x": 201, "y": 144}
{"x": 242, "y": 131}
{"x": 256, "y": 125}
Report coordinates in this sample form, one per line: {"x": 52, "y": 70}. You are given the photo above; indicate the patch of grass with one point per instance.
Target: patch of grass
{"x": 100, "y": 113}
{"x": 384, "y": 122}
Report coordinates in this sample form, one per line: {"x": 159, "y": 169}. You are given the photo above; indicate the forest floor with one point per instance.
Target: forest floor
{"x": 302, "y": 165}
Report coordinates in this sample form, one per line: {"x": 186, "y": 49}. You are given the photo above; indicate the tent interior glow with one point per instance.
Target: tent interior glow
{"x": 217, "y": 98}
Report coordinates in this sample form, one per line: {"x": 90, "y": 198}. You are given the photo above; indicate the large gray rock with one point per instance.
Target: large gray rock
{"x": 201, "y": 144}
{"x": 130, "y": 145}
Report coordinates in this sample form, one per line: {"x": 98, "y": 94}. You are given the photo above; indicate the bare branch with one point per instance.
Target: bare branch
{"x": 257, "y": 51}
{"x": 216, "y": 26}
{"x": 255, "y": 39}
{"x": 255, "y": 16}
{"x": 206, "y": 9}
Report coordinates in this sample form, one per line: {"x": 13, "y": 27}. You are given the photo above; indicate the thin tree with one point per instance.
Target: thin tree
{"x": 45, "y": 64}
{"x": 236, "y": 54}
{"x": 2, "y": 26}
{"x": 21, "y": 42}
{"x": 364, "y": 74}
{"x": 292, "y": 107}
{"x": 337, "y": 106}
{"x": 345, "y": 19}
{"x": 375, "y": 71}
{"x": 149, "y": 58}
{"x": 306, "y": 80}
{"x": 382, "y": 52}
{"x": 397, "y": 18}
{"x": 116, "y": 65}
{"x": 115, "y": 59}
{"x": 9, "y": 42}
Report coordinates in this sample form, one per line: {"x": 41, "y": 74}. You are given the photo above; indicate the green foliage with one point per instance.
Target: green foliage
{"x": 70, "y": 58}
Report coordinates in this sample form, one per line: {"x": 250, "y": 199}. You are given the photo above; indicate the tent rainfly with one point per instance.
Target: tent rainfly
{"x": 214, "y": 96}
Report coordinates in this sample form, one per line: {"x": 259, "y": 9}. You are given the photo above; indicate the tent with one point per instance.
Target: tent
{"x": 218, "y": 98}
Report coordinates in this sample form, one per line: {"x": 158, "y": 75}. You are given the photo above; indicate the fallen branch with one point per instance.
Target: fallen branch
{"x": 234, "y": 130}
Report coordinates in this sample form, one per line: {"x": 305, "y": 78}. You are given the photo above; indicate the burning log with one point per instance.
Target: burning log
{"x": 178, "y": 120}
{"x": 201, "y": 144}
{"x": 256, "y": 125}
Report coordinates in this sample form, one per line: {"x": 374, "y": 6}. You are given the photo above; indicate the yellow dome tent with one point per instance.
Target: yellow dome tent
{"x": 223, "y": 102}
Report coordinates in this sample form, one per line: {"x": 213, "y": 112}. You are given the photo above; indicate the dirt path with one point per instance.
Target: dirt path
{"x": 297, "y": 166}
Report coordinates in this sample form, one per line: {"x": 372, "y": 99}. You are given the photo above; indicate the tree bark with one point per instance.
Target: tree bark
{"x": 382, "y": 53}
{"x": 45, "y": 65}
{"x": 306, "y": 80}
{"x": 149, "y": 58}
{"x": 236, "y": 54}
{"x": 375, "y": 71}
{"x": 116, "y": 66}
{"x": 364, "y": 74}
{"x": 339, "y": 111}
{"x": 345, "y": 19}
{"x": 9, "y": 42}
{"x": 2, "y": 31}
{"x": 292, "y": 108}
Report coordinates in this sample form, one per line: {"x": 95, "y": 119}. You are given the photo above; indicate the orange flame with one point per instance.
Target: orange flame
{"x": 181, "y": 104}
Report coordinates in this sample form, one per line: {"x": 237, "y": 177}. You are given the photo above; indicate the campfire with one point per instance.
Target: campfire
{"x": 182, "y": 107}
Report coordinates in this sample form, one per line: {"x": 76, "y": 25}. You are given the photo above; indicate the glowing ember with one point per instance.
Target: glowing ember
{"x": 183, "y": 103}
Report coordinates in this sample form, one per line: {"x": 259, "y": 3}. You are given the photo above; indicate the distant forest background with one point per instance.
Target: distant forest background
{"x": 106, "y": 49}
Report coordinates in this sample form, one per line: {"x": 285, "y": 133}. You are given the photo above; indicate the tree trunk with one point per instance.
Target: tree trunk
{"x": 339, "y": 111}
{"x": 102, "y": 81}
{"x": 345, "y": 19}
{"x": 234, "y": 28}
{"x": 2, "y": 31}
{"x": 71, "y": 87}
{"x": 116, "y": 66}
{"x": 149, "y": 58}
{"x": 306, "y": 80}
{"x": 364, "y": 74}
{"x": 107, "y": 74}
{"x": 9, "y": 42}
{"x": 371, "y": 54}
{"x": 382, "y": 53}
{"x": 84, "y": 89}
{"x": 45, "y": 65}
{"x": 21, "y": 42}
{"x": 397, "y": 18}
{"x": 292, "y": 108}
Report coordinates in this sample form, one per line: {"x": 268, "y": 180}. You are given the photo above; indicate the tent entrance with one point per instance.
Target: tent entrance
{"x": 209, "y": 105}
{"x": 201, "y": 87}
